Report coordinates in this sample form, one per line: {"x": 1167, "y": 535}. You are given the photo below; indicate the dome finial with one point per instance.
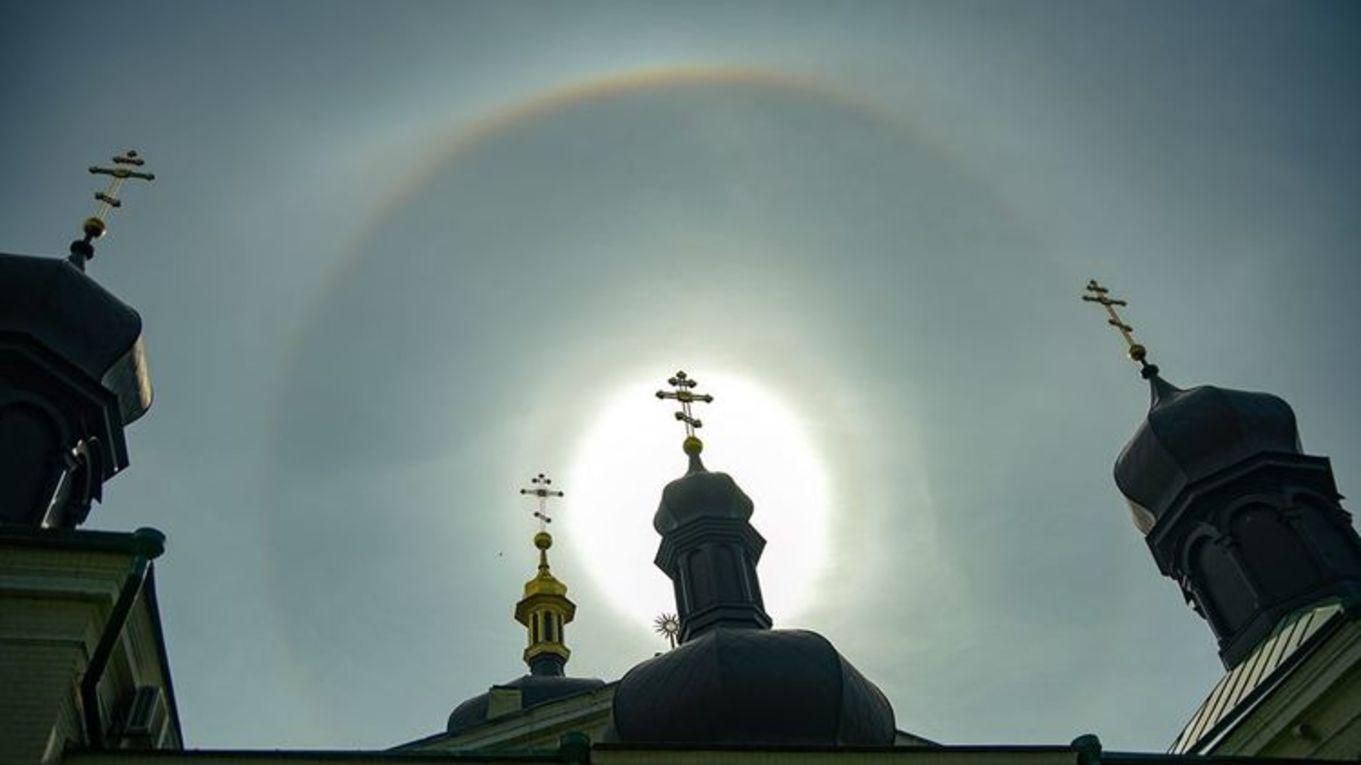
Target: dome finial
{"x": 1137, "y": 353}
{"x": 685, "y": 394}
{"x": 95, "y": 226}
{"x": 545, "y": 609}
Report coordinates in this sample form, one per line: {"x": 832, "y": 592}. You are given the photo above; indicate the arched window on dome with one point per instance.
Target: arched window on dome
{"x": 1329, "y": 534}
{"x": 1274, "y": 552}
{"x": 1220, "y": 586}
{"x": 31, "y": 441}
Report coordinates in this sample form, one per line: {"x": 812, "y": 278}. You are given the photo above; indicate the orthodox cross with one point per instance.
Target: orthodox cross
{"x": 1101, "y": 296}
{"x": 685, "y": 394}
{"x": 539, "y": 488}
{"x": 94, "y": 227}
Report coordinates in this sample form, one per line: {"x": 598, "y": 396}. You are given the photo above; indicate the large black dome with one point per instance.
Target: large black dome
{"x": 1191, "y": 434}
{"x": 751, "y": 686}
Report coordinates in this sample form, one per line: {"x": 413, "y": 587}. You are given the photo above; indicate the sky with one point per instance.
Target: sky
{"x": 399, "y": 257}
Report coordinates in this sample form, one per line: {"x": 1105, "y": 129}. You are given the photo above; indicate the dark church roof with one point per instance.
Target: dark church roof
{"x": 533, "y": 690}
{"x": 1191, "y": 434}
{"x": 733, "y": 680}
{"x": 751, "y": 686}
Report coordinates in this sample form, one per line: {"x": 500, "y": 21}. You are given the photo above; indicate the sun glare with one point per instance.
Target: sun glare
{"x": 632, "y": 448}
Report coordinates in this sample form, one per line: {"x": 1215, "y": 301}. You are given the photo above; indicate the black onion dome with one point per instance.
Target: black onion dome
{"x": 61, "y": 307}
{"x": 748, "y": 686}
{"x": 534, "y": 690}
{"x": 1191, "y": 434}
{"x": 700, "y": 493}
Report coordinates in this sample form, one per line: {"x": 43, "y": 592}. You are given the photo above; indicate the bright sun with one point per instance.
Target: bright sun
{"x": 632, "y": 448}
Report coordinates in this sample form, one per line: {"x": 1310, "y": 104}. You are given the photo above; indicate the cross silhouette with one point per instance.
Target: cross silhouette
{"x": 539, "y": 488}
{"x": 1100, "y": 295}
{"x": 685, "y": 394}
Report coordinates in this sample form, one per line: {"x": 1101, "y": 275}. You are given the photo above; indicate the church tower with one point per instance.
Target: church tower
{"x": 73, "y": 375}
{"x": 545, "y": 609}
{"x": 733, "y": 680}
{"x": 709, "y": 549}
{"x": 82, "y": 659}
{"x": 511, "y": 711}
{"x": 1249, "y": 525}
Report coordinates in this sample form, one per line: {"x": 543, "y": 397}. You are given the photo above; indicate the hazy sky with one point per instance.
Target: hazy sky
{"x": 399, "y": 255}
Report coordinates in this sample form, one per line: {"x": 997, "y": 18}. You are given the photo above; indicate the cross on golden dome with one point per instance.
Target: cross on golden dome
{"x": 1100, "y": 295}
{"x": 684, "y": 393}
{"x": 539, "y": 488}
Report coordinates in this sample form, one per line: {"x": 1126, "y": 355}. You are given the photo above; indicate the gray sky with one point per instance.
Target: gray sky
{"x": 397, "y": 256}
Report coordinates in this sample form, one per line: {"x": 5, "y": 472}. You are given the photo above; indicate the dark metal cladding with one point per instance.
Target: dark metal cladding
{"x": 710, "y": 552}
{"x": 533, "y": 690}
{"x": 1250, "y": 528}
{"x": 733, "y": 680}
{"x": 1190, "y": 434}
{"x": 700, "y": 494}
{"x": 72, "y": 376}
{"x": 757, "y": 687}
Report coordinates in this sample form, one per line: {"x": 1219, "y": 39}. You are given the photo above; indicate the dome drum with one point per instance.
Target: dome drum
{"x": 1248, "y": 525}
{"x": 711, "y": 560}
{"x": 1254, "y": 543}
{"x": 712, "y": 565}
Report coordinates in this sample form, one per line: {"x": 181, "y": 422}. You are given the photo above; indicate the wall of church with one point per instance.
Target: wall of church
{"x": 54, "y": 604}
{"x": 539, "y": 727}
{"x": 1314, "y": 712}
{"x": 626, "y": 756}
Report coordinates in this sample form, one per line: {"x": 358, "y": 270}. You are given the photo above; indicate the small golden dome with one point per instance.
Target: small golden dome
{"x": 543, "y": 540}
{"x": 692, "y": 445}
{"x": 1138, "y": 352}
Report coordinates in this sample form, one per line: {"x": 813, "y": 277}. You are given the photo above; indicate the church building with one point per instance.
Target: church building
{"x": 1232, "y": 509}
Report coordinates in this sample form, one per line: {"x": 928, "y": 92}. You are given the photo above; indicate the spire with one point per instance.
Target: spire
{"x": 709, "y": 548}
{"x": 96, "y": 225}
{"x": 730, "y": 679}
{"x": 544, "y": 610}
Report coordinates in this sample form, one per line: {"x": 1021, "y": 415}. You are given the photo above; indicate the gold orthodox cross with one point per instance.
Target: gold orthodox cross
{"x": 685, "y": 394}
{"x": 124, "y": 167}
{"x": 539, "y": 488}
{"x": 122, "y": 170}
{"x": 1101, "y": 296}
